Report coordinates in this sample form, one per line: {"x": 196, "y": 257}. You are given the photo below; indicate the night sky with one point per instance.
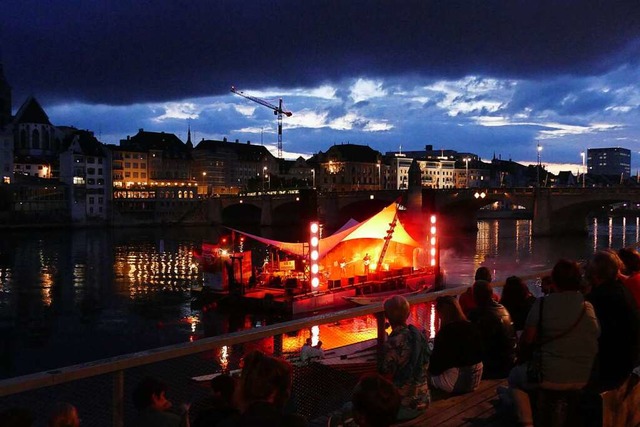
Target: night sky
{"x": 489, "y": 77}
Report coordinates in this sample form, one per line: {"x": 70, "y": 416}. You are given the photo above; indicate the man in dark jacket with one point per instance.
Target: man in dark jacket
{"x": 619, "y": 342}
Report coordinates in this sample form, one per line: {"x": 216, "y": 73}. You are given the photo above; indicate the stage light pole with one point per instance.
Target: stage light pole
{"x": 379, "y": 181}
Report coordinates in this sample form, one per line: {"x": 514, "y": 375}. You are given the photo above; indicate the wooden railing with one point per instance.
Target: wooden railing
{"x": 116, "y": 366}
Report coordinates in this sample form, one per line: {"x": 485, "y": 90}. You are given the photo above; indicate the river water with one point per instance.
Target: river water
{"x": 72, "y": 296}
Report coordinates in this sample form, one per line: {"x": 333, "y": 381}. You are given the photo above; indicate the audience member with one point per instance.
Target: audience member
{"x": 64, "y": 415}
{"x": 561, "y": 334}
{"x": 149, "y": 398}
{"x": 375, "y": 401}
{"x": 517, "y": 299}
{"x": 455, "y": 365}
{"x": 467, "y": 302}
{"x": 262, "y": 391}
{"x": 619, "y": 342}
{"x": 306, "y": 352}
{"x": 546, "y": 285}
{"x": 318, "y": 350}
{"x": 631, "y": 261}
{"x": 496, "y": 329}
{"x": 405, "y": 359}
{"x": 218, "y": 406}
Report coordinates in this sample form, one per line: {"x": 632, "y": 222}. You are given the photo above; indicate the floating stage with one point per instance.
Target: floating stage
{"x": 344, "y": 293}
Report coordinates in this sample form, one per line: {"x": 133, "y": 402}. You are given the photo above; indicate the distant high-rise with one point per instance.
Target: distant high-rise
{"x": 609, "y": 161}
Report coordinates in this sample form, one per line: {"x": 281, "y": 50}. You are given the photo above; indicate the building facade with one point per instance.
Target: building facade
{"x": 349, "y": 167}
{"x": 231, "y": 167}
{"x": 85, "y": 167}
{"x": 609, "y": 161}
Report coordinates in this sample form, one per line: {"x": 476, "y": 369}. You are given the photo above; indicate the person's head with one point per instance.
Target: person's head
{"x": 449, "y": 309}
{"x": 546, "y": 285}
{"x": 64, "y": 415}
{"x": 376, "y": 401}
{"x": 308, "y": 341}
{"x": 319, "y": 345}
{"x": 151, "y": 393}
{"x": 566, "y": 276}
{"x": 222, "y": 388}
{"x": 264, "y": 378}
{"x": 603, "y": 267}
{"x": 396, "y": 309}
{"x": 631, "y": 260}
{"x": 483, "y": 273}
{"x": 515, "y": 291}
{"x": 482, "y": 293}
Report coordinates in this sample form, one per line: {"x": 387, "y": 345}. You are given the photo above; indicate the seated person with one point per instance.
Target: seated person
{"x": 565, "y": 347}
{"x": 375, "y": 402}
{"x": 467, "y": 302}
{"x": 496, "y": 329}
{"x": 216, "y": 407}
{"x": 262, "y": 391}
{"x": 517, "y": 299}
{"x": 619, "y": 319}
{"x": 149, "y": 398}
{"x": 64, "y": 415}
{"x": 307, "y": 351}
{"x": 405, "y": 357}
{"x": 455, "y": 365}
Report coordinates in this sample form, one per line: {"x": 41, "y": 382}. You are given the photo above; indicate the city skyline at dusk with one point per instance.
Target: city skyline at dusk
{"x": 493, "y": 78}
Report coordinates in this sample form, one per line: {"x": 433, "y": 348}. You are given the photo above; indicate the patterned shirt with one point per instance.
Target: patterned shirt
{"x": 406, "y": 358}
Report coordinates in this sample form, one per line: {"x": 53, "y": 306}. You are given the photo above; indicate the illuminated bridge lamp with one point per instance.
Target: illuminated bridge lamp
{"x": 314, "y": 229}
{"x": 433, "y": 242}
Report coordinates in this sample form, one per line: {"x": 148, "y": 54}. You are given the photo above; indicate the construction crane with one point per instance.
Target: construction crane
{"x": 277, "y": 110}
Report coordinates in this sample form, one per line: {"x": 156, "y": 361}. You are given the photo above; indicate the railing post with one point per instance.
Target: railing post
{"x": 381, "y": 333}
{"x": 277, "y": 345}
{"x": 118, "y": 398}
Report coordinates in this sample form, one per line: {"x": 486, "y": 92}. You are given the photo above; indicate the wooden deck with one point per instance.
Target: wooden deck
{"x": 473, "y": 409}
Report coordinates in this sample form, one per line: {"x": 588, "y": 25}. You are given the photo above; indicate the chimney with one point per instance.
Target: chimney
{"x": 141, "y": 130}
{"x": 224, "y": 139}
{"x": 248, "y": 142}
{"x": 428, "y": 147}
{"x": 237, "y": 140}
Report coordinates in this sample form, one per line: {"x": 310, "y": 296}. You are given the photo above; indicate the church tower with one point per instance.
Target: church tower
{"x": 5, "y": 100}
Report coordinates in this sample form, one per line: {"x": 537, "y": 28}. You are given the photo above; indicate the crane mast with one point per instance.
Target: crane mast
{"x": 277, "y": 110}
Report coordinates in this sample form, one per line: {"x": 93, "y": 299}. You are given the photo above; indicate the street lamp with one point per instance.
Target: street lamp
{"x": 538, "y": 168}
{"x": 264, "y": 176}
{"x": 466, "y": 166}
{"x": 313, "y": 178}
{"x": 204, "y": 190}
{"x": 584, "y": 170}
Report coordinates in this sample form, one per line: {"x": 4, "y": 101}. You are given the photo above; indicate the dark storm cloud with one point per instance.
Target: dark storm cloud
{"x": 566, "y": 97}
{"x": 123, "y": 52}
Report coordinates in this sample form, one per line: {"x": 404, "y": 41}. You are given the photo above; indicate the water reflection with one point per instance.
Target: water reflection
{"x": 108, "y": 292}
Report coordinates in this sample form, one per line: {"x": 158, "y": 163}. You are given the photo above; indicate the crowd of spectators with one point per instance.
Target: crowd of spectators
{"x": 581, "y": 335}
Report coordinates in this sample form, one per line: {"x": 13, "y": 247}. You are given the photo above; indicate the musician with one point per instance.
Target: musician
{"x": 343, "y": 266}
{"x": 367, "y": 261}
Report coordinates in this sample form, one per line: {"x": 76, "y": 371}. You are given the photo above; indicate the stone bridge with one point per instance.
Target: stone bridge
{"x": 554, "y": 210}
{"x": 291, "y": 207}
